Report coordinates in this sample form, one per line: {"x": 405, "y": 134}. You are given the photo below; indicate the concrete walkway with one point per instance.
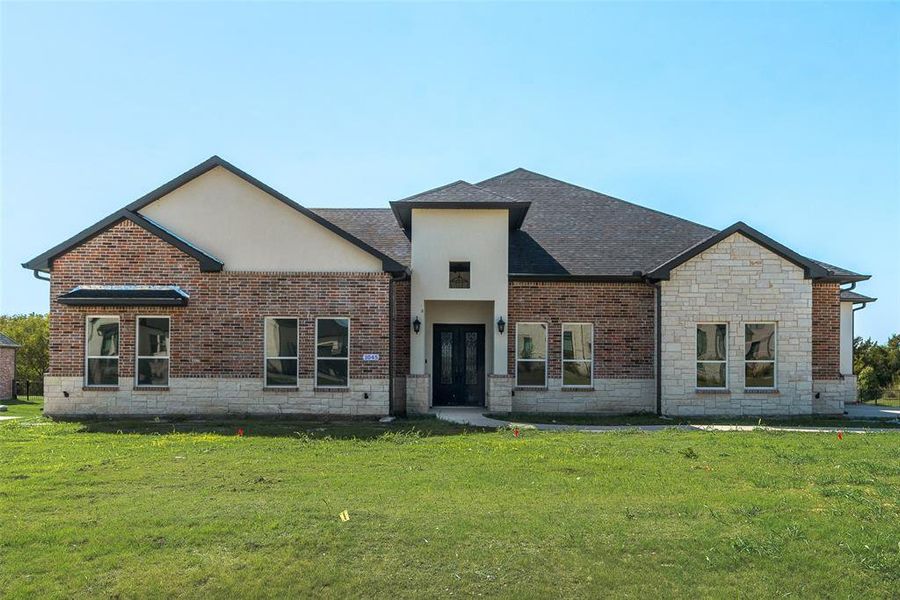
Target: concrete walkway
{"x": 467, "y": 415}
{"x": 870, "y": 411}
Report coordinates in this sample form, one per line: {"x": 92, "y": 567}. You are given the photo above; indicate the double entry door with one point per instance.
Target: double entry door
{"x": 458, "y": 365}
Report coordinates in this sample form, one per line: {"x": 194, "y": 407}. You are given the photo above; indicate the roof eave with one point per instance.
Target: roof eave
{"x": 811, "y": 270}
{"x": 561, "y": 277}
{"x": 402, "y": 210}
{"x": 43, "y": 262}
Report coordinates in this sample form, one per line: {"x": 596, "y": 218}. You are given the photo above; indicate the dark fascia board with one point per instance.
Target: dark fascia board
{"x": 576, "y": 278}
{"x": 388, "y": 264}
{"x": 402, "y": 209}
{"x": 838, "y": 278}
{"x": 811, "y": 270}
{"x": 43, "y": 262}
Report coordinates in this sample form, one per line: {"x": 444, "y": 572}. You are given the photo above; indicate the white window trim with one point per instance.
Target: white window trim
{"x": 266, "y": 358}
{"x": 87, "y": 320}
{"x": 316, "y": 353}
{"x": 543, "y": 360}
{"x": 564, "y": 360}
{"x": 697, "y": 361}
{"x": 137, "y": 356}
{"x": 774, "y": 360}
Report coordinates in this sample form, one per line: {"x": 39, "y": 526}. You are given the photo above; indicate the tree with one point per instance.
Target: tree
{"x": 877, "y": 367}
{"x": 32, "y": 332}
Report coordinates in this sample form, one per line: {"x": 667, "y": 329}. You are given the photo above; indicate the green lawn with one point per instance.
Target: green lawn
{"x": 651, "y": 419}
{"x": 123, "y": 509}
{"x": 23, "y": 407}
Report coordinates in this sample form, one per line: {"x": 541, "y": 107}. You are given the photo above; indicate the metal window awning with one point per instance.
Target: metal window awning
{"x": 125, "y": 295}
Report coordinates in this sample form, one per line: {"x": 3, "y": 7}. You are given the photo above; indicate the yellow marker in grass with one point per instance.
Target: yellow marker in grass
{"x": 345, "y": 516}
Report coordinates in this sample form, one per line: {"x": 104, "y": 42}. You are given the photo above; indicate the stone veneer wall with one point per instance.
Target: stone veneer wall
{"x": 829, "y": 396}
{"x": 7, "y": 372}
{"x": 609, "y": 396}
{"x": 217, "y": 339}
{"x": 623, "y": 316}
{"x": 499, "y": 393}
{"x": 737, "y": 281}
{"x": 418, "y": 393}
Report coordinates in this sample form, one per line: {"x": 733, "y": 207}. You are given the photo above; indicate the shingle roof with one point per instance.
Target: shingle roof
{"x": 6, "y": 342}
{"x": 848, "y": 296}
{"x": 460, "y": 194}
{"x": 571, "y": 230}
{"x": 459, "y": 191}
{"x": 839, "y": 274}
{"x": 377, "y": 226}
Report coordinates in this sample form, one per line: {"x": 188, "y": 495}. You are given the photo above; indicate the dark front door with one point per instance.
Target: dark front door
{"x": 458, "y": 365}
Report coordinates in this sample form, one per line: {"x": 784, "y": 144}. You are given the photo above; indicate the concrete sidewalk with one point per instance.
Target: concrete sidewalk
{"x": 467, "y": 415}
{"x": 870, "y": 411}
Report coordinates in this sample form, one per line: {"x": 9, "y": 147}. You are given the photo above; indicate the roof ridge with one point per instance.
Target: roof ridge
{"x": 587, "y": 189}
{"x": 434, "y": 189}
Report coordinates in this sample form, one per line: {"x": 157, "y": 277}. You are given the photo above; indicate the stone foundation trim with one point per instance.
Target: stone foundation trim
{"x": 830, "y": 395}
{"x": 498, "y": 396}
{"x": 609, "y": 396}
{"x": 418, "y": 394}
{"x": 193, "y": 396}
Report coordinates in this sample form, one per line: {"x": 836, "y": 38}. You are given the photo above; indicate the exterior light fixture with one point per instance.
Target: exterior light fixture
{"x": 501, "y": 325}
{"x": 417, "y": 325}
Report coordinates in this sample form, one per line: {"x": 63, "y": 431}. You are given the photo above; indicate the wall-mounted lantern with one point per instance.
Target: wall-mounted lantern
{"x": 501, "y": 325}
{"x": 417, "y": 325}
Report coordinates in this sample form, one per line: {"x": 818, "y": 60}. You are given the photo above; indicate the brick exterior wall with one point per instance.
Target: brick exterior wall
{"x": 826, "y": 331}
{"x": 400, "y": 359}
{"x": 219, "y": 334}
{"x": 622, "y": 314}
{"x": 7, "y": 372}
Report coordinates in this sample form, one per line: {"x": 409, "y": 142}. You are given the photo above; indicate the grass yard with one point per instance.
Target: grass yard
{"x": 22, "y": 407}
{"x": 651, "y": 419}
{"x": 123, "y": 509}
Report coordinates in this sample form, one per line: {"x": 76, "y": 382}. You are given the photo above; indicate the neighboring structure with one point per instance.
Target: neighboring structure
{"x": 217, "y": 294}
{"x": 8, "y": 350}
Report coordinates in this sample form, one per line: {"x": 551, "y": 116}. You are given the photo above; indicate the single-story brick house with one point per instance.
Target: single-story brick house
{"x": 8, "y": 349}
{"x": 217, "y": 294}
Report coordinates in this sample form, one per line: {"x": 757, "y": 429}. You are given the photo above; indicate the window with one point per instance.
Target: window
{"x": 152, "y": 351}
{"x": 759, "y": 355}
{"x": 531, "y": 354}
{"x": 101, "y": 351}
{"x": 712, "y": 353}
{"x": 577, "y": 354}
{"x": 460, "y": 275}
{"x": 281, "y": 351}
{"x": 332, "y": 352}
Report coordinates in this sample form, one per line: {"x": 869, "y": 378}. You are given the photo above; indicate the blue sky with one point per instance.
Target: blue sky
{"x": 786, "y": 116}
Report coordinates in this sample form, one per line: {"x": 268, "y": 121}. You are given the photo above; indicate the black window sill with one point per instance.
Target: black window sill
{"x": 530, "y": 388}
{"x": 151, "y": 388}
{"x": 100, "y": 388}
{"x": 714, "y": 391}
{"x": 571, "y": 388}
{"x": 758, "y": 391}
{"x": 280, "y": 388}
{"x": 332, "y": 389}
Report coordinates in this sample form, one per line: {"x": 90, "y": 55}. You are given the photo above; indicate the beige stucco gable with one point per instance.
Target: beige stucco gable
{"x": 250, "y": 230}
